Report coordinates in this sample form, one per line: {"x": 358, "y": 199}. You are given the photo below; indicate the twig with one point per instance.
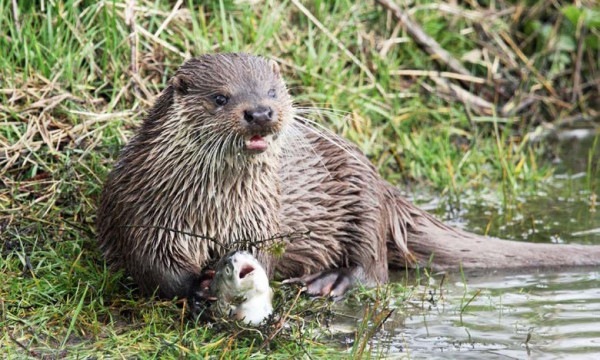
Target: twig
{"x": 20, "y": 344}
{"x": 428, "y": 43}
{"x": 281, "y": 322}
{"x": 527, "y": 63}
{"x": 229, "y": 246}
{"x": 480, "y": 105}
{"x": 394, "y": 39}
{"x": 462, "y": 309}
{"x": 169, "y": 18}
{"x": 444, "y": 74}
{"x": 579, "y": 118}
{"x": 340, "y": 45}
{"x": 160, "y": 41}
{"x": 442, "y": 286}
{"x": 488, "y": 15}
{"x": 380, "y": 325}
{"x": 156, "y": 227}
{"x": 516, "y": 104}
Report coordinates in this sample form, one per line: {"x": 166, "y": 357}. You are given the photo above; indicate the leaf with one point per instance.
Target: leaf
{"x": 592, "y": 19}
{"x": 531, "y": 26}
{"x": 572, "y": 13}
{"x": 592, "y": 42}
{"x": 565, "y": 43}
{"x": 591, "y": 16}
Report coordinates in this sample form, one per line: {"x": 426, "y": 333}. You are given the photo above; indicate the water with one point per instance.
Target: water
{"x": 566, "y": 209}
{"x": 527, "y": 315}
{"x": 518, "y": 316}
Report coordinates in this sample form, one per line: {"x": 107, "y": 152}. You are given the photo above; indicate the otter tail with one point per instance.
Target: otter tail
{"x": 428, "y": 241}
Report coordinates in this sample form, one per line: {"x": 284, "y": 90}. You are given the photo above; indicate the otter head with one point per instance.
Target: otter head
{"x": 235, "y": 104}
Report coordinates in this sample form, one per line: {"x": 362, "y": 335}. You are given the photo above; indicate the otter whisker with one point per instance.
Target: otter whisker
{"x": 320, "y": 111}
{"x": 326, "y": 115}
{"x": 323, "y": 129}
{"x": 328, "y": 138}
{"x": 311, "y": 104}
{"x": 299, "y": 144}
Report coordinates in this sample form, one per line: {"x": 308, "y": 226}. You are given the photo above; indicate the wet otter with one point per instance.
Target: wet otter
{"x": 222, "y": 155}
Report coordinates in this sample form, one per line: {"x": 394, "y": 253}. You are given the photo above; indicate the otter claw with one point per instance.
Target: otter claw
{"x": 203, "y": 288}
{"x": 203, "y": 295}
{"x": 330, "y": 283}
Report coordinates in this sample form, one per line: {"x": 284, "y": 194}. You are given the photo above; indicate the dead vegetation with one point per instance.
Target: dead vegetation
{"x": 417, "y": 85}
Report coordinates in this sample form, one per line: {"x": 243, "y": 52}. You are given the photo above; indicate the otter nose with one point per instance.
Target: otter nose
{"x": 259, "y": 115}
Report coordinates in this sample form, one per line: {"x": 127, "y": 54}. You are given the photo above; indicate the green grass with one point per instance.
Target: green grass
{"x": 68, "y": 104}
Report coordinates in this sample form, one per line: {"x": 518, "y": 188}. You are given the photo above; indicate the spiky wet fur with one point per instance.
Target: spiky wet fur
{"x": 180, "y": 172}
{"x": 184, "y": 170}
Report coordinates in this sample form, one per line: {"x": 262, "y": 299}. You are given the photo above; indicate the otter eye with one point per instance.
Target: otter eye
{"x": 272, "y": 93}
{"x": 221, "y": 99}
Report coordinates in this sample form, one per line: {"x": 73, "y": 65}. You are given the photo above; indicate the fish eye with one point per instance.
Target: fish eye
{"x": 221, "y": 99}
{"x": 272, "y": 93}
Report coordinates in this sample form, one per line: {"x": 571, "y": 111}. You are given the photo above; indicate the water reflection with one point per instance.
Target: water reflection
{"x": 565, "y": 209}
{"x": 542, "y": 316}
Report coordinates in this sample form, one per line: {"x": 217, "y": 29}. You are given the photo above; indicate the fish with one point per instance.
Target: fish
{"x": 241, "y": 288}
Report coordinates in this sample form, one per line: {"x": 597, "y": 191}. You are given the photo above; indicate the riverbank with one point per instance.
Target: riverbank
{"x": 71, "y": 96}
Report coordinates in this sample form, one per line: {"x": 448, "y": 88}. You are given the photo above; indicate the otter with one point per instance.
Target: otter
{"x": 222, "y": 154}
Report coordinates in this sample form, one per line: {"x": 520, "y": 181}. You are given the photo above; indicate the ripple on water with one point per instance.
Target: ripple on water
{"x": 516, "y": 316}
{"x": 562, "y": 318}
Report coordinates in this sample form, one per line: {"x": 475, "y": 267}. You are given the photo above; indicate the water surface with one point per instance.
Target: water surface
{"x": 532, "y": 314}
{"x": 514, "y": 316}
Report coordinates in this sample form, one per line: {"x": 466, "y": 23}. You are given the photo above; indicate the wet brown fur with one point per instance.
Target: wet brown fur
{"x": 185, "y": 169}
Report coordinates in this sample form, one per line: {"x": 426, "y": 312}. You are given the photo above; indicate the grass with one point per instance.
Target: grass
{"x": 69, "y": 101}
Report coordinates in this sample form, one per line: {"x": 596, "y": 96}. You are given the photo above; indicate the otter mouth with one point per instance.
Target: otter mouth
{"x": 257, "y": 143}
{"x": 246, "y": 270}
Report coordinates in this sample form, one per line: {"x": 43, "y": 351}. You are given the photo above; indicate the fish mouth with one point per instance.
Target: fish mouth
{"x": 246, "y": 270}
{"x": 257, "y": 143}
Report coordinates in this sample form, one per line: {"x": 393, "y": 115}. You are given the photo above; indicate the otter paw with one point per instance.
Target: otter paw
{"x": 200, "y": 297}
{"x": 334, "y": 283}
{"x": 201, "y": 292}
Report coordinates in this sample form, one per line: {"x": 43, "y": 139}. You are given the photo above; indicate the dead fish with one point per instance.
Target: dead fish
{"x": 241, "y": 288}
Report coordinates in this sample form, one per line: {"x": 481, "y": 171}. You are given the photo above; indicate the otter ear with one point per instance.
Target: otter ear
{"x": 275, "y": 67}
{"x": 181, "y": 83}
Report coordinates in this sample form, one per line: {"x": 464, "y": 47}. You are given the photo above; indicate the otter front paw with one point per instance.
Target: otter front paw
{"x": 200, "y": 296}
{"x": 334, "y": 283}
{"x": 201, "y": 292}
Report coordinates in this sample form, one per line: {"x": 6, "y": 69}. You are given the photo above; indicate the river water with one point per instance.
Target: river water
{"x": 519, "y": 315}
